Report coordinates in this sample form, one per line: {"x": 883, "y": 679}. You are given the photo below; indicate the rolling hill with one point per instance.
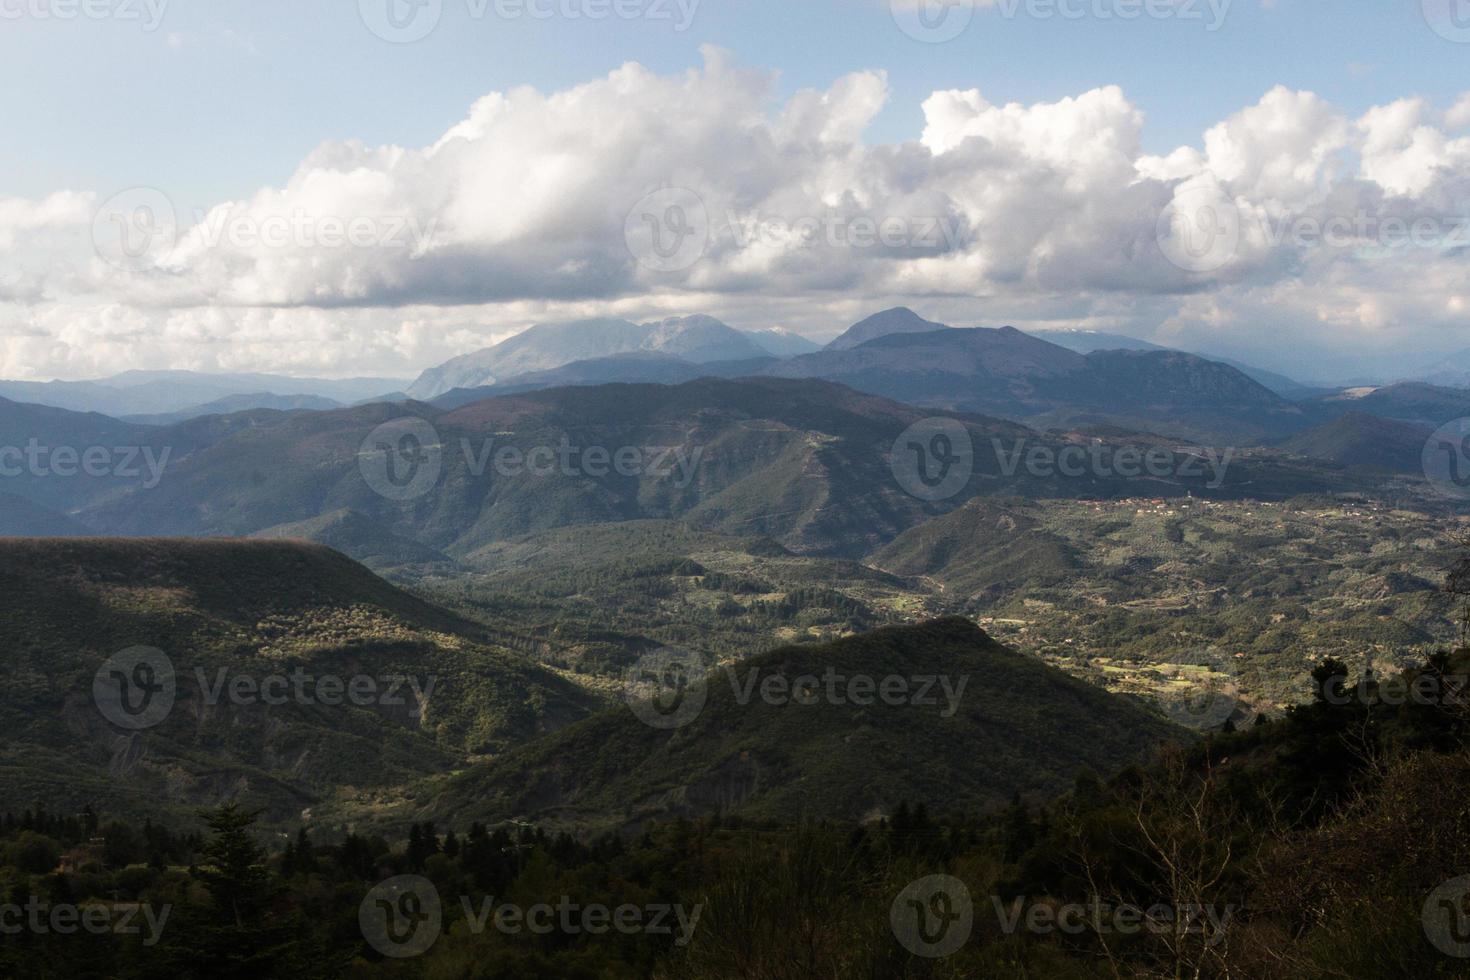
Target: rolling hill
{"x": 1361, "y": 439}
{"x": 983, "y": 550}
{"x": 1017, "y": 726}
{"x": 228, "y": 613}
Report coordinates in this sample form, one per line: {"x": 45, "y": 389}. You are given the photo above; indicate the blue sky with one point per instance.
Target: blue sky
{"x": 249, "y": 87}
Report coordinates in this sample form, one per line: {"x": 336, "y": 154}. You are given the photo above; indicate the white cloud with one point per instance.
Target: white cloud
{"x": 1044, "y": 213}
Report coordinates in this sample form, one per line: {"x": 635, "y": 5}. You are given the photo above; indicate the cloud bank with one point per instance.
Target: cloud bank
{"x": 1290, "y": 223}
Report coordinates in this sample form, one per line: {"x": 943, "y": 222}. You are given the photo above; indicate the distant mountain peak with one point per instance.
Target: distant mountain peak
{"x": 698, "y": 338}
{"x": 900, "y": 319}
{"x": 782, "y": 342}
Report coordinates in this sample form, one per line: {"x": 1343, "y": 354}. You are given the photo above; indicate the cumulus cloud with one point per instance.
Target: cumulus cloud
{"x": 389, "y": 258}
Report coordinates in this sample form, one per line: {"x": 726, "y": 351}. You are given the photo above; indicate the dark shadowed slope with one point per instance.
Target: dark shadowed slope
{"x": 222, "y": 612}
{"x": 1018, "y": 726}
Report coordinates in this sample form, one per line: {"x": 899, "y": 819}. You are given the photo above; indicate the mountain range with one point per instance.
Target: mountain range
{"x": 545, "y": 346}
{"x": 1063, "y": 378}
{"x": 1008, "y": 373}
{"x": 191, "y": 393}
{"x": 803, "y": 461}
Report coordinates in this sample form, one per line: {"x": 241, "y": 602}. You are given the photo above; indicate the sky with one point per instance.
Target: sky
{"x": 372, "y": 186}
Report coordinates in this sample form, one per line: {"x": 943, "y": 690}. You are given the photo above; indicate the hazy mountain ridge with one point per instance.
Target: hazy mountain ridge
{"x": 805, "y": 462}
{"x": 169, "y": 392}
{"x": 1008, "y": 373}
{"x": 240, "y": 403}
{"x": 547, "y": 346}
{"x": 618, "y": 369}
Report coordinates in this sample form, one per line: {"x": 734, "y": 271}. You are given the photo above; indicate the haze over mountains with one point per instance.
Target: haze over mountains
{"x": 696, "y": 339}
{"x": 1042, "y": 377}
{"x": 167, "y": 392}
{"x": 794, "y": 447}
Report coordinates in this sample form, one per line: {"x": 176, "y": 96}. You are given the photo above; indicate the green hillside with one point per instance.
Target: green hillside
{"x": 1016, "y": 726}
{"x": 253, "y": 610}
